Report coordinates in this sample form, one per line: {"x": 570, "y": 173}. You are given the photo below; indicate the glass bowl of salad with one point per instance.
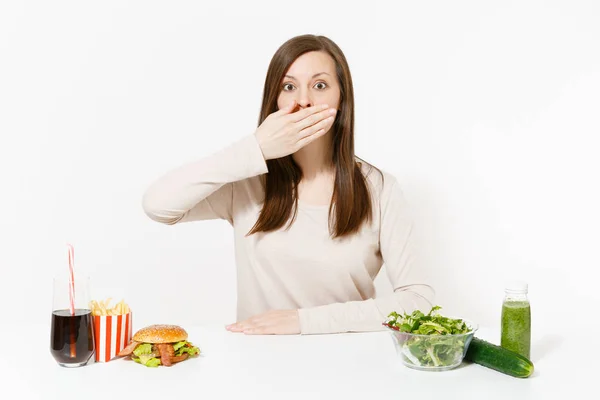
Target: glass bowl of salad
{"x": 430, "y": 342}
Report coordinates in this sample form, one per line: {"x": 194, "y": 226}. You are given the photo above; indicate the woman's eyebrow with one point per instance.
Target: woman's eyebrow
{"x": 313, "y": 77}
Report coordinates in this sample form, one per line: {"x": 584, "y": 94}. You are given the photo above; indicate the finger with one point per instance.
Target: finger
{"x": 240, "y": 326}
{"x": 309, "y": 139}
{"x": 314, "y": 118}
{"x": 285, "y": 110}
{"x": 300, "y": 115}
{"x": 313, "y": 129}
{"x": 235, "y": 328}
{"x": 233, "y": 325}
{"x": 258, "y": 319}
{"x": 258, "y": 330}
{"x": 250, "y": 323}
{"x": 253, "y": 331}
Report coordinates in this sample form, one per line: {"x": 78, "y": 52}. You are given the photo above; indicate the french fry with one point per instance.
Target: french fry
{"x": 103, "y": 307}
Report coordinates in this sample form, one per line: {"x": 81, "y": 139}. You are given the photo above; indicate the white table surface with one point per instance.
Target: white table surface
{"x": 235, "y": 366}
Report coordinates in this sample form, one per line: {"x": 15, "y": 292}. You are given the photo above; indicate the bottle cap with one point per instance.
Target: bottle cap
{"x": 516, "y": 287}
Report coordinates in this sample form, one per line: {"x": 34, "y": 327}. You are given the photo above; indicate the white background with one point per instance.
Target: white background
{"x": 487, "y": 113}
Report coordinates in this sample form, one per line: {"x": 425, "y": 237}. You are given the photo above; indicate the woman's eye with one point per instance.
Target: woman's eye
{"x": 321, "y": 85}
{"x": 288, "y": 86}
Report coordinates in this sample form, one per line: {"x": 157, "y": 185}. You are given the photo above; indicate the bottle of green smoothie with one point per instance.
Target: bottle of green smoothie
{"x": 516, "y": 319}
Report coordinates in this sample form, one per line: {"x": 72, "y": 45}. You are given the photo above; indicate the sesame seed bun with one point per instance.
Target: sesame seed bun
{"x": 160, "y": 334}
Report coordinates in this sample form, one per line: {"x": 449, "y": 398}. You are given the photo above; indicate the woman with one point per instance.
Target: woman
{"x": 312, "y": 224}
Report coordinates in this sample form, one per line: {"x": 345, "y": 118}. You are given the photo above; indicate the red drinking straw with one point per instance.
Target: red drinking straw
{"x": 71, "y": 278}
{"x": 73, "y": 347}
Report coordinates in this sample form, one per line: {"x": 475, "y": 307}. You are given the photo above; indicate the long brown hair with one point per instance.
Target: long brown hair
{"x": 351, "y": 202}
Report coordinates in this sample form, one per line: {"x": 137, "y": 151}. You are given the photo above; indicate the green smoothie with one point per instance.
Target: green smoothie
{"x": 516, "y": 327}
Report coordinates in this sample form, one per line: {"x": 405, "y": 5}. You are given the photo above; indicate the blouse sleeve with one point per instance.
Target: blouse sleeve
{"x": 204, "y": 189}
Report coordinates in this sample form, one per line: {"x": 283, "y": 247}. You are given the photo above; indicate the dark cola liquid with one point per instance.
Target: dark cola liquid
{"x": 72, "y": 337}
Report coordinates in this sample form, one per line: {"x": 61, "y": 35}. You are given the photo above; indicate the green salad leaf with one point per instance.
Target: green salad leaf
{"x": 179, "y": 345}
{"x": 147, "y": 360}
{"x": 145, "y": 348}
{"x": 440, "y": 342}
{"x": 185, "y": 347}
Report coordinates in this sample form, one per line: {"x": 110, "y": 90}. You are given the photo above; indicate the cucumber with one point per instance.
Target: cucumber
{"x": 498, "y": 358}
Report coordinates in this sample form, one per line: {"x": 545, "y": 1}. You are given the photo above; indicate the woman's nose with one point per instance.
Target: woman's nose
{"x": 303, "y": 99}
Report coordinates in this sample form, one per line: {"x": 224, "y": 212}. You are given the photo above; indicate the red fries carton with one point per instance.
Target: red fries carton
{"x": 112, "y": 328}
{"x": 111, "y": 334}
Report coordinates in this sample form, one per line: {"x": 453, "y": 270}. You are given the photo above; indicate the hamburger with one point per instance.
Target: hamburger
{"x": 157, "y": 345}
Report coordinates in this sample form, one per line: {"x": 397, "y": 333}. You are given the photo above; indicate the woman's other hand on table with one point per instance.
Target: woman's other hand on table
{"x": 275, "y": 322}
